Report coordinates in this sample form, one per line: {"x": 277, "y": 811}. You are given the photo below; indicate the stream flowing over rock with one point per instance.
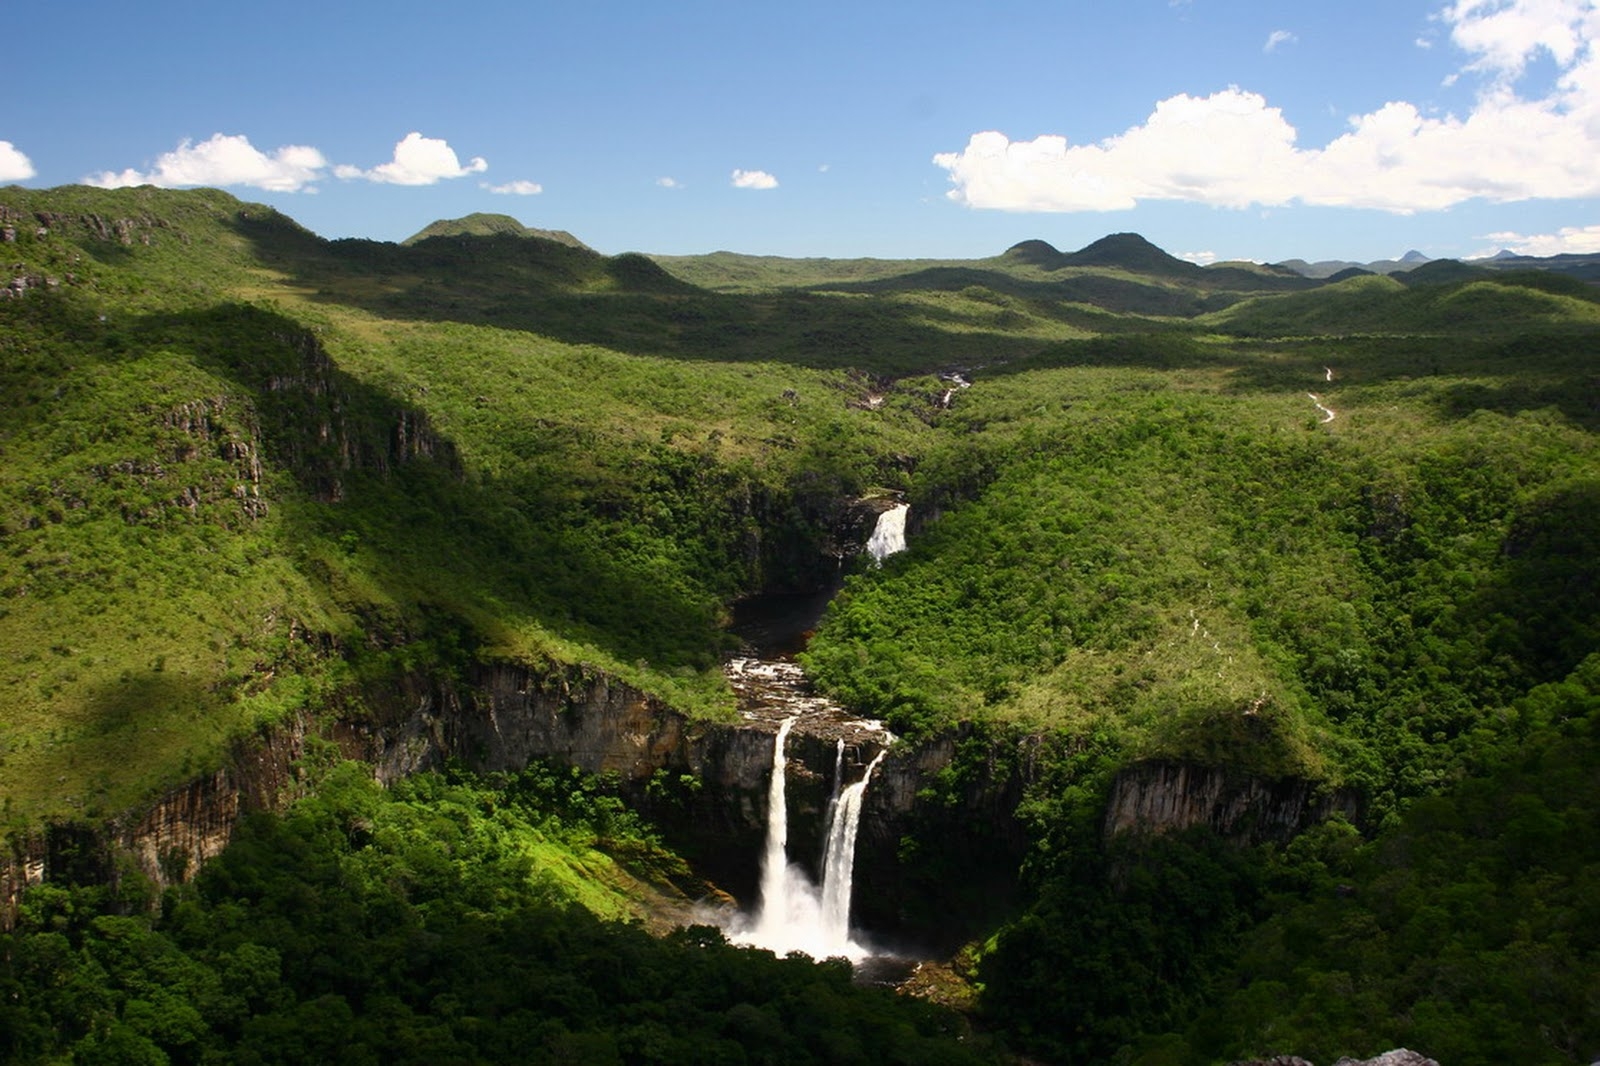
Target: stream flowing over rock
{"x": 889, "y": 535}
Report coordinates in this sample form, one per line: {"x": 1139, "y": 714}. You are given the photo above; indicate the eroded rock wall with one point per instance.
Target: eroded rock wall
{"x": 939, "y": 835}
{"x": 1159, "y": 796}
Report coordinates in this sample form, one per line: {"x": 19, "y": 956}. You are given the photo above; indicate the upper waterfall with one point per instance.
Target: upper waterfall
{"x": 889, "y": 535}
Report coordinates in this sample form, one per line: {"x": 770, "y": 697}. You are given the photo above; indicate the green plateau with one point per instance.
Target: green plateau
{"x": 1339, "y": 531}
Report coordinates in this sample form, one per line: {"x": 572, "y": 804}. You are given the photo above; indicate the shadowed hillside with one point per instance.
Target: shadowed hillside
{"x": 1325, "y": 547}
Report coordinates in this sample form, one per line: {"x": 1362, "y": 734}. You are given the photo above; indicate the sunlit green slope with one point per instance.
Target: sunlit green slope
{"x": 247, "y": 471}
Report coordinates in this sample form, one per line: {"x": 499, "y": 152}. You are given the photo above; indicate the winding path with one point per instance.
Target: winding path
{"x": 1326, "y": 412}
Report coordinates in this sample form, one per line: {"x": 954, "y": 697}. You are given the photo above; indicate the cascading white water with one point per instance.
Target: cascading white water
{"x": 775, "y": 863}
{"x": 839, "y": 858}
{"x": 889, "y": 535}
{"x": 838, "y": 781}
{"x": 795, "y": 915}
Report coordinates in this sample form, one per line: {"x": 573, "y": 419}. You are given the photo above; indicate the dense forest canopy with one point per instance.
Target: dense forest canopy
{"x": 1340, "y": 532}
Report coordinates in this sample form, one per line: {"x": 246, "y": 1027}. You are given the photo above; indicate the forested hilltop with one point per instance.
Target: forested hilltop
{"x": 1342, "y": 534}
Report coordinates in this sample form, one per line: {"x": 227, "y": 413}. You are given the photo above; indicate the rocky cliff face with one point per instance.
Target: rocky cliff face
{"x": 502, "y": 717}
{"x": 929, "y": 844}
{"x": 171, "y": 839}
{"x": 1160, "y": 796}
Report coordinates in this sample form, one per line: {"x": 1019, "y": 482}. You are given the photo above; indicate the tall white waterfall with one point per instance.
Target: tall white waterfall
{"x": 795, "y": 915}
{"x": 775, "y": 874}
{"x": 839, "y": 858}
{"x": 889, "y": 535}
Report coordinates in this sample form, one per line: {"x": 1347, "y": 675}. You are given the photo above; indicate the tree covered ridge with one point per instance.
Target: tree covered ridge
{"x": 1466, "y": 928}
{"x": 1161, "y": 565}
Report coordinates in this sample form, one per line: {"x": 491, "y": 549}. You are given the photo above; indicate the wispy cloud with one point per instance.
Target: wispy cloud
{"x": 1569, "y": 240}
{"x": 418, "y": 160}
{"x": 515, "y": 188}
{"x": 668, "y": 183}
{"x": 1276, "y": 38}
{"x": 1233, "y": 149}
{"x": 223, "y": 160}
{"x": 754, "y": 179}
{"x": 14, "y": 166}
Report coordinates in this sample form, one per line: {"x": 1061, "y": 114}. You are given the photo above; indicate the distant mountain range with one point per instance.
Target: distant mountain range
{"x": 1585, "y": 266}
{"x": 1118, "y": 251}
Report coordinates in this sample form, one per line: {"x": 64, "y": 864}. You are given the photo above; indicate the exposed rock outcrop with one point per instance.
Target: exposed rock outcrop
{"x": 325, "y": 429}
{"x": 954, "y": 796}
{"x": 704, "y": 782}
{"x": 1398, "y": 1057}
{"x": 500, "y": 717}
{"x": 1159, "y": 796}
{"x": 171, "y": 839}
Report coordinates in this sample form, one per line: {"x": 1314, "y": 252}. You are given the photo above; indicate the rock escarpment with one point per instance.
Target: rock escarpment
{"x": 704, "y": 781}
{"x": 939, "y": 846}
{"x": 1161, "y": 795}
{"x": 939, "y": 835}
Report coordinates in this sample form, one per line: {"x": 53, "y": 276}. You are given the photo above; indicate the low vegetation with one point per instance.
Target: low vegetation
{"x": 1341, "y": 532}
{"x": 437, "y": 921}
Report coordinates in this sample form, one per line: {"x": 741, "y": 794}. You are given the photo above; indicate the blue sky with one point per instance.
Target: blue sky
{"x": 1253, "y": 129}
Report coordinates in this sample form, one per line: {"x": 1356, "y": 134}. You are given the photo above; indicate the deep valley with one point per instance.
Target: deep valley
{"x": 383, "y": 627}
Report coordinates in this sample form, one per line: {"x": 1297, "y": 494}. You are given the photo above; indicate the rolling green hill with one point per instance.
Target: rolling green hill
{"x": 193, "y": 382}
{"x": 1337, "y": 534}
{"x": 487, "y": 225}
{"x": 1444, "y": 302}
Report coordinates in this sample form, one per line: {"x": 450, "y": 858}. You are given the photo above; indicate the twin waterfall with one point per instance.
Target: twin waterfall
{"x": 795, "y": 914}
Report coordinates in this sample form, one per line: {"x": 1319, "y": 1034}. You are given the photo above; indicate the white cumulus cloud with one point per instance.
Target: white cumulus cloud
{"x": 754, "y": 179}
{"x": 1276, "y": 38}
{"x": 14, "y": 166}
{"x": 1228, "y": 149}
{"x": 1504, "y": 36}
{"x": 515, "y": 188}
{"x": 668, "y": 183}
{"x": 1233, "y": 149}
{"x": 224, "y": 160}
{"x": 1199, "y": 258}
{"x": 1569, "y": 240}
{"x": 418, "y": 160}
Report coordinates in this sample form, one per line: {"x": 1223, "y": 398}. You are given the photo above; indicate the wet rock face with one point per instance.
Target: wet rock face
{"x": 808, "y": 535}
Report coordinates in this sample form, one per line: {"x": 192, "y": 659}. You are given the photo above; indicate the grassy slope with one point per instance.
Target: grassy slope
{"x": 1151, "y": 529}
{"x": 150, "y": 609}
{"x": 1165, "y": 542}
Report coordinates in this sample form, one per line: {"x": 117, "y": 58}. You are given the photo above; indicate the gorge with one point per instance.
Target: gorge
{"x": 368, "y": 608}
{"x": 795, "y": 767}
